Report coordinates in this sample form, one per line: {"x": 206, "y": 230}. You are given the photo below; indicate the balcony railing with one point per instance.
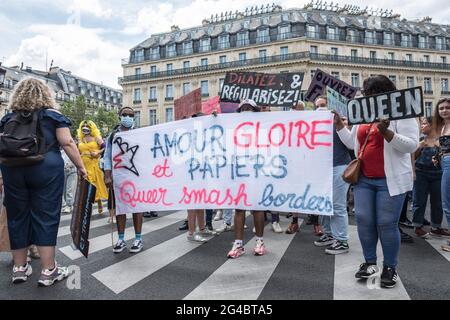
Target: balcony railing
{"x": 6, "y": 85}
{"x": 428, "y": 91}
{"x": 289, "y": 57}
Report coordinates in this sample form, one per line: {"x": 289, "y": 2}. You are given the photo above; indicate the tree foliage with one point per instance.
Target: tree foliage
{"x": 79, "y": 110}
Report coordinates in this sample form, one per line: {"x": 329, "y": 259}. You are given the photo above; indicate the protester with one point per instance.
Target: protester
{"x": 428, "y": 182}
{"x": 126, "y": 115}
{"x": 33, "y": 193}
{"x": 70, "y": 184}
{"x": 386, "y": 176}
{"x": 91, "y": 146}
{"x": 441, "y": 126}
{"x": 237, "y": 250}
{"x": 335, "y": 228}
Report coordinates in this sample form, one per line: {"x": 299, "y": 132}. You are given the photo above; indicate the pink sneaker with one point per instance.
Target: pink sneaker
{"x": 260, "y": 248}
{"x": 236, "y": 252}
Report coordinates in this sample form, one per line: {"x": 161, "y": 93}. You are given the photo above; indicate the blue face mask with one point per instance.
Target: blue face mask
{"x": 127, "y": 121}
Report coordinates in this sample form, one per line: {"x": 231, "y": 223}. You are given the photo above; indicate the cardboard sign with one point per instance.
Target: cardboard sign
{"x": 265, "y": 89}
{"x": 210, "y": 105}
{"x": 81, "y": 215}
{"x": 395, "y": 105}
{"x": 337, "y": 102}
{"x": 188, "y": 105}
{"x": 322, "y": 80}
{"x": 281, "y": 161}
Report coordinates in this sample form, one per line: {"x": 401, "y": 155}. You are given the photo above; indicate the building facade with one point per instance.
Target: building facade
{"x": 65, "y": 85}
{"x": 347, "y": 42}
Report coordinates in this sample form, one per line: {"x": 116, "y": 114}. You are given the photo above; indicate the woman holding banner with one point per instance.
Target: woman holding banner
{"x": 239, "y": 218}
{"x": 386, "y": 176}
{"x": 91, "y": 146}
{"x": 441, "y": 124}
{"x": 33, "y": 192}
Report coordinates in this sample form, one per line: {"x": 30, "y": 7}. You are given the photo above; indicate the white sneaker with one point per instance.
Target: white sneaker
{"x": 225, "y": 227}
{"x": 254, "y": 230}
{"x": 276, "y": 227}
{"x": 218, "y": 215}
{"x": 196, "y": 238}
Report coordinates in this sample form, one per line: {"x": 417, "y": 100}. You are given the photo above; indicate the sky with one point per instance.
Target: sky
{"x": 91, "y": 37}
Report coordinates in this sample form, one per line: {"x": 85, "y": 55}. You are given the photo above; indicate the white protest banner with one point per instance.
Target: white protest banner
{"x": 253, "y": 161}
{"x": 395, "y": 105}
{"x": 337, "y": 102}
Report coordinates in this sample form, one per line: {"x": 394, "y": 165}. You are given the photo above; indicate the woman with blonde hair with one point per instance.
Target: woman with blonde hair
{"x": 33, "y": 192}
{"x": 91, "y": 146}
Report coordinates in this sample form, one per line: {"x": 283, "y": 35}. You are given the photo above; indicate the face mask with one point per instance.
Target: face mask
{"x": 86, "y": 131}
{"x": 126, "y": 121}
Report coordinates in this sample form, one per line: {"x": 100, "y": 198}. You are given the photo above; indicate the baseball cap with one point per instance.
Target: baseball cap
{"x": 249, "y": 102}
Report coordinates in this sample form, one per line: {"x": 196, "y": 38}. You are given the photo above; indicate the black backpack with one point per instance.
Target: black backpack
{"x": 22, "y": 142}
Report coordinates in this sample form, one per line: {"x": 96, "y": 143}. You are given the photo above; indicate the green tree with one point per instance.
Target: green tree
{"x": 79, "y": 110}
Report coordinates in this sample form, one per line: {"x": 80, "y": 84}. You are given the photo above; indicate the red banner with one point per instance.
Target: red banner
{"x": 188, "y": 105}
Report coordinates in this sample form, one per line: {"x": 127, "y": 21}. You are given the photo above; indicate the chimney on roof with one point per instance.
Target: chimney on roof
{"x": 28, "y": 69}
{"x": 426, "y": 19}
{"x": 175, "y": 28}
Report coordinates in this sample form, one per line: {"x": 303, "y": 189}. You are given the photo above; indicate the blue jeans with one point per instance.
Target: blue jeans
{"x": 445, "y": 186}
{"x": 428, "y": 182}
{"x": 337, "y": 225}
{"x": 377, "y": 215}
{"x": 227, "y": 215}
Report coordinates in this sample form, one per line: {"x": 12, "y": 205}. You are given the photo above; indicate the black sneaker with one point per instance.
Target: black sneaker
{"x": 389, "y": 277}
{"x": 184, "y": 226}
{"x": 426, "y": 222}
{"x": 325, "y": 240}
{"x": 209, "y": 227}
{"x": 366, "y": 270}
{"x": 405, "y": 238}
{"x": 120, "y": 246}
{"x": 337, "y": 247}
{"x": 137, "y": 246}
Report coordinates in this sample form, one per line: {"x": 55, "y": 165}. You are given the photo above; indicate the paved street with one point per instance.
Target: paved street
{"x": 170, "y": 267}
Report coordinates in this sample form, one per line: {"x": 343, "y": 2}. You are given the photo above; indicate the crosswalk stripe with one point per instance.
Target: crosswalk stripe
{"x": 346, "y": 287}
{"x": 436, "y": 243}
{"x": 245, "y": 277}
{"x": 128, "y": 272}
{"x": 104, "y": 241}
{"x": 64, "y": 231}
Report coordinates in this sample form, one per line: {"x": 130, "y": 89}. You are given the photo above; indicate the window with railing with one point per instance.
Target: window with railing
{"x": 188, "y": 48}
{"x": 423, "y": 42}
{"x": 171, "y": 51}
{"x": 311, "y": 32}
{"x": 186, "y": 65}
{"x": 242, "y": 57}
{"x": 443, "y": 59}
{"x": 428, "y": 109}
{"x": 427, "y": 88}
{"x": 154, "y": 55}
{"x": 390, "y": 56}
{"x": 426, "y": 58}
{"x": 139, "y": 55}
{"x": 388, "y": 39}
{"x": 334, "y": 51}
{"x": 169, "y": 68}
{"x": 152, "y": 94}
{"x": 153, "y": 70}
{"x": 224, "y": 42}
{"x": 137, "y": 71}
{"x": 369, "y": 37}
{"x": 204, "y": 62}
{"x": 440, "y": 43}
{"x": 444, "y": 86}
{"x": 263, "y": 55}
{"x": 152, "y": 117}
{"x": 332, "y": 33}
{"x": 169, "y": 114}
{"x": 284, "y": 32}
{"x": 223, "y": 59}
{"x": 204, "y": 88}
{"x": 313, "y": 49}
{"x": 373, "y": 55}
{"x": 242, "y": 39}
{"x": 354, "y": 54}
{"x": 205, "y": 45}
{"x": 409, "y": 82}
{"x": 352, "y": 36}
{"x": 335, "y": 74}
{"x": 262, "y": 35}
{"x": 406, "y": 40}
{"x": 284, "y": 53}
{"x": 169, "y": 92}
{"x": 408, "y": 57}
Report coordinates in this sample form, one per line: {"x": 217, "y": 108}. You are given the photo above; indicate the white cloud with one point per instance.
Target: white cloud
{"x": 80, "y": 50}
{"x": 90, "y": 6}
